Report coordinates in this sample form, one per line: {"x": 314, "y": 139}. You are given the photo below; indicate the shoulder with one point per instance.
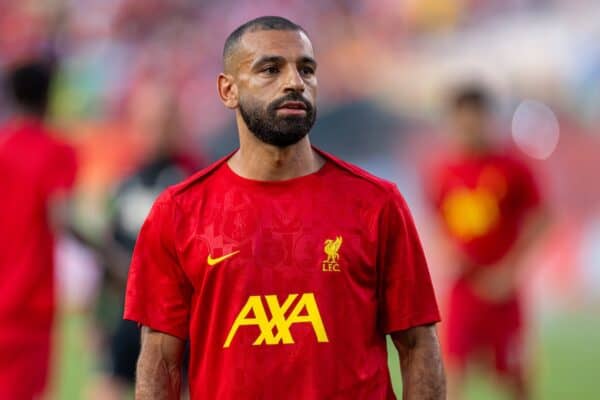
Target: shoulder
{"x": 514, "y": 163}
{"x": 62, "y": 149}
{"x": 51, "y": 146}
{"x": 382, "y": 198}
{"x": 192, "y": 188}
{"x": 357, "y": 180}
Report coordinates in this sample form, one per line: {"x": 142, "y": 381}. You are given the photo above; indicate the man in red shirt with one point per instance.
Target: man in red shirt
{"x": 283, "y": 266}
{"x": 489, "y": 206}
{"x": 35, "y": 172}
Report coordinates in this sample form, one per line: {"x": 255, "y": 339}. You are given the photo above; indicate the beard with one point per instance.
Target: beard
{"x": 275, "y": 130}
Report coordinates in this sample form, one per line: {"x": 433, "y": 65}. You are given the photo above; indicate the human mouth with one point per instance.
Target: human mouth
{"x": 292, "y": 108}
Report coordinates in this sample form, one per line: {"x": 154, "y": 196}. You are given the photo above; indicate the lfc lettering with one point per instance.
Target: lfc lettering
{"x": 331, "y": 249}
{"x": 276, "y": 330}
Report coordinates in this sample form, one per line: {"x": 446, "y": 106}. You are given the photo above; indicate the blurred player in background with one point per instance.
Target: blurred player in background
{"x": 489, "y": 205}
{"x": 36, "y": 173}
{"x": 167, "y": 163}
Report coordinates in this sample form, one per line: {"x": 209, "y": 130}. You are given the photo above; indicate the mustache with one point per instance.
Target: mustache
{"x": 293, "y": 96}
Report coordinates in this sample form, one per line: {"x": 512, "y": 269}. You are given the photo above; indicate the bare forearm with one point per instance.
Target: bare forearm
{"x": 421, "y": 365}
{"x": 422, "y": 375}
{"x": 158, "y": 374}
{"x": 533, "y": 227}
{"x": 156, "y": 380}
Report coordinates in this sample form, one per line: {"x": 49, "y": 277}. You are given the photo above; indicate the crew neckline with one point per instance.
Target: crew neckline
{"x": 279, "y": 183}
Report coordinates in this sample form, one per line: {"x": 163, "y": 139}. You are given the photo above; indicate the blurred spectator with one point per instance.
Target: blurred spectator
{"x": 36, "y": 172}
{"x": 490, "y": 207}
{"x": 167, "y": 163}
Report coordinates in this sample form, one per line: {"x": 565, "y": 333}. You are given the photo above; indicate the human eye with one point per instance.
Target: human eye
{"x": 307, "y": 70}
{"x": 270, "y": 70}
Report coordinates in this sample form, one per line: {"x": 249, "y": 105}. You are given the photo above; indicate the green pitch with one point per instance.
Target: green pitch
{"x": 568, "y": 358}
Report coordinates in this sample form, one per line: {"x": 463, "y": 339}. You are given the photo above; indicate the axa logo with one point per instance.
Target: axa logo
{"x": 276, "y": 328}
{"x": 331, "y": 249}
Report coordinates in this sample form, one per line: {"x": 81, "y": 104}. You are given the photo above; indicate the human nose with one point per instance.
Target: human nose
{"x": 294, "y": 81}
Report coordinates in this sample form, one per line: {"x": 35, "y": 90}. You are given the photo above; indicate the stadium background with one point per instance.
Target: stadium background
{"x": 385, "y": 67}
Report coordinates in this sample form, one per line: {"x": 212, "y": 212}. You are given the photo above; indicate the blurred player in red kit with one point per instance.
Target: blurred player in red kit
{"x": 284, "y": 266}
{"x": 36, "y": 171}
{"x": 490, "y": 209}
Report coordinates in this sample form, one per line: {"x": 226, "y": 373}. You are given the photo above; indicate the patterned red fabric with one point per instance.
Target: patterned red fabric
{"x": 285, "y": 289}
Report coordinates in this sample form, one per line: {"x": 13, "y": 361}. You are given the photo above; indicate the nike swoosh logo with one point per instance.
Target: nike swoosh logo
{"x": 214, "y": 261}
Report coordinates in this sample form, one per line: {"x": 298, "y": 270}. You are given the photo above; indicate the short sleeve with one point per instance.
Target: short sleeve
{"x": 61, "y": 169}
{"x": 158, "y": 292}
{"x": 431, "y": 177}
{"x": 529, "y": 189}
{"x": 406, "y": 295}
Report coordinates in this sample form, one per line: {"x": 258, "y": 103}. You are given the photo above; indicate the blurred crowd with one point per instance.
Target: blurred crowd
{"x": 133, "y": 73}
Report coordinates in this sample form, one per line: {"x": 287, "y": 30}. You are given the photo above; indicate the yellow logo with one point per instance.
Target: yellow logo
{"x": 276, "y": 330}
{"x": 331, "y": 249}
{"x": 470, "y": 214}
{"x": 214, "y": 261}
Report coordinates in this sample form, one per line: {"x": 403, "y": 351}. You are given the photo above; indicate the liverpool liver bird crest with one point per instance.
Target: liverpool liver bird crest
{"x": 332, "y": 247}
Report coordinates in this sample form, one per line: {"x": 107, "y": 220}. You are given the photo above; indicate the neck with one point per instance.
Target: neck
{"x": 478, "y": 148}
{"x": 28, "y": 115}
{"x": 476, "y": 143}
{"x": 260, "y": 161}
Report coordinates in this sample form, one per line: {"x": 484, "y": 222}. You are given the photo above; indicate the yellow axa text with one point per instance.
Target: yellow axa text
{"x": 276, "y": 330}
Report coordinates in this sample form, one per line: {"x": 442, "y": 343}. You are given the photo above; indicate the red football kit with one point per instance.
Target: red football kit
{"x": 285, "y": 289}
{"x": 33, "y": 168}
{"x": 484, "y": 200}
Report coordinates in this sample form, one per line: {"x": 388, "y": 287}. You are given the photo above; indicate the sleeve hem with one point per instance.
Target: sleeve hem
{"x": 408, "y": 323}
{"x": 160, "y": 327}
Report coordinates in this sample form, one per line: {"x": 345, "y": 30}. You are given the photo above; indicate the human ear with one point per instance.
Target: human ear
{"x": 228, "y": 91}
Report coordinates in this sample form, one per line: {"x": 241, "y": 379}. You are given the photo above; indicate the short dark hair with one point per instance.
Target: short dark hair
{"x": 266, "y": 23}
{"x": 28, "y": 84}
{"x": 471, "y": 95}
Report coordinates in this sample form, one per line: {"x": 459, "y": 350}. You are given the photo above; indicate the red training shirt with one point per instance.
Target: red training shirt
{"x": 285, "y": 289}
{"x": 33, "y": 168}
{"x": 483, "y": 200}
